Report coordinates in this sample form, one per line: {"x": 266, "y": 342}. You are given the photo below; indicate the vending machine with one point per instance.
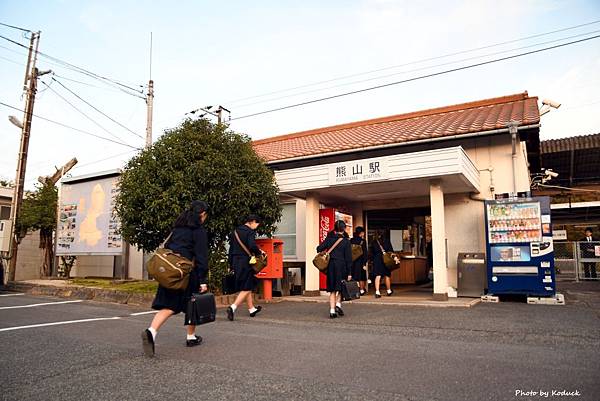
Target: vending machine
{"x": 519, "y": 247}
{"x": 327, "y": 218}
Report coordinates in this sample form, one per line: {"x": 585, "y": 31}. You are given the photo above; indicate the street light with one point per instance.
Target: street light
{"x": 15, "y": 121}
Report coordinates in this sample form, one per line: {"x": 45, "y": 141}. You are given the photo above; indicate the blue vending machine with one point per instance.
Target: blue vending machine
{"x": 519, "y": 247}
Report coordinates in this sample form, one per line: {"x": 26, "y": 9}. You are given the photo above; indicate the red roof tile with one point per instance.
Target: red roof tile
{"x": 479, "y": 116}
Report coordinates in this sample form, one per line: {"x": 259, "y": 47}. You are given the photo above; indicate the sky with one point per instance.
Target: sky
{"x": 233, "y": 53}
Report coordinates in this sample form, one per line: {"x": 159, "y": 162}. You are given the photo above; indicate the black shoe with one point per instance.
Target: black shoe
{"x": 193, "y": 343}
{"x": 332, "y": 315}
{"x": 148, "y": 343}
{"x": 377, "y": 296}
{"x": 230, "y": 313}
{"x": 258, "y": 309}
{"x": 363, "y": 293}
{"x": 390, "y": 293}
{"x": 339, "y": 311}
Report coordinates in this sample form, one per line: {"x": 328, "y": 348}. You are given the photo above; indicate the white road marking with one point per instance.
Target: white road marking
{"x": 58, "y": 323}
{"x": 143, "y": 313}
{"x": 44, "y": 304}
{"x": 10, "y": 295}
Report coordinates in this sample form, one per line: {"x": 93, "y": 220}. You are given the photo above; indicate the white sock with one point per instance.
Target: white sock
{"x": 377, "y": 292}
{"x": 252, "y": 310}
{"x": 389, "y": 291}
{"x": 191, "y": 337}
{"x": 331, "y": 310}
{"x": 154, "y": 333}
{"x": 234, "y": 307}
{"x": 339, "y": 305}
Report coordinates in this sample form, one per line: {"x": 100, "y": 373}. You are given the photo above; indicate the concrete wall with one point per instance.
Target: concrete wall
{"x": 29, "y": 258}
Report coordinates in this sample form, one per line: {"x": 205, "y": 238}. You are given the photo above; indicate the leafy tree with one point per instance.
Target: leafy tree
{"x": 196, "y": 160}
{"x": 5, "y": 183}
{"x": 38, "y": 212}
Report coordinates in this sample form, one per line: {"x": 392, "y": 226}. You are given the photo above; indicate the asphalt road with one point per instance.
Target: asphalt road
{"x": 293, "y": 351}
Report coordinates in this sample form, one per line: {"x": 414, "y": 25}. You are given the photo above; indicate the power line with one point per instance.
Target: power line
{"x": 69, "y": 127}
{"x": 15, "y": 27}
{"x": 81, "y": 112}
{"x": 414, "y": 62}
{"x": 104, "y": 159}
{"x": 419, "y": 69}
{"x": 95, "y": 108}
{"x": 418, "y": 78}
{"x": 80, "y": 70}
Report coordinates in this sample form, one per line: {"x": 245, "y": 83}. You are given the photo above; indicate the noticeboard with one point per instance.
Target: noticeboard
{"x": 87, "y": 223}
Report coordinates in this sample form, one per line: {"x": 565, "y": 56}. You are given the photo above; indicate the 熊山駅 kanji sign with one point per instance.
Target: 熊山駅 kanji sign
{"x": 366, "y": 170}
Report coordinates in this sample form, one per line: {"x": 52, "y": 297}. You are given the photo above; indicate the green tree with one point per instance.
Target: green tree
{"x": 38, "y": 212}
{"x": 196, "y": 160}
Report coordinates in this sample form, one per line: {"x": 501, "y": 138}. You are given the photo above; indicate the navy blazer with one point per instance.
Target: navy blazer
{"x": 248, "y": 238}
{"x": 192, "y": 242}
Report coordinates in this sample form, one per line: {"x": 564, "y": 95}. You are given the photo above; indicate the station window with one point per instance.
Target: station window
{"x": 286, "y": 229}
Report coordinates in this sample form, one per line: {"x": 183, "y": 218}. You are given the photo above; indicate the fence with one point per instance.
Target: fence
{"x": 577, "y": 260}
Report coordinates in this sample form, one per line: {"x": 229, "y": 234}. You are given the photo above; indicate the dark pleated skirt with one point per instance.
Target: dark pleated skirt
{"x": 336, "y": 272}
{"x": 379, "y": 268}
{"x": 244, "y": 274}
{"x": 358, "y": 273}
{"x": 175, "y": 300}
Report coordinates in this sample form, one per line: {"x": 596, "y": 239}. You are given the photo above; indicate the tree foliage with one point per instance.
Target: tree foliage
{"x": 38, "y": 212}
{"x": 196, "y": 160}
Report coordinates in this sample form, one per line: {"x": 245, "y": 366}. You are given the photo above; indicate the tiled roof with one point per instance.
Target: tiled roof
{"x": 460, "y": 119}
{"x": 573, "y": 143}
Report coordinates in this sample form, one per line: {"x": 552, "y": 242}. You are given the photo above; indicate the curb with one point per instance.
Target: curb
{"x": 103, "y": 295}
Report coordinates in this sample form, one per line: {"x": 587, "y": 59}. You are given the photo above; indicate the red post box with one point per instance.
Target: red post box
{"x": 273, "y": 247}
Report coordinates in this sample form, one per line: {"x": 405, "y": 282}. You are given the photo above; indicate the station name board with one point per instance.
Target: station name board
{"x": 358, "y": 171}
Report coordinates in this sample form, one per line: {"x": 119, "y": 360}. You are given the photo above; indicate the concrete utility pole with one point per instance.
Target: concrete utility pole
{"x": 31, "y": 75}
{"x": 149, "y": 102}
{"x": 220, "y": 110}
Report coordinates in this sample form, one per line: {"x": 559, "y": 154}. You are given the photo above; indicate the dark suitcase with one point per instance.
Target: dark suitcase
{"x": 350, "y": 290}
{"x": 228, "y": 284}
{"x": 201, "y": 309}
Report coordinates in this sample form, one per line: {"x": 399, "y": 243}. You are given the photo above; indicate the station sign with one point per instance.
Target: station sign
{"x": 358, "y": 171}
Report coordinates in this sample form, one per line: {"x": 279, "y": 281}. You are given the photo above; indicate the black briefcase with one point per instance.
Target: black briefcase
{"x": 350, "y": 290}
{"x": 228, "y": 284}
{"x": 201, "y": 309}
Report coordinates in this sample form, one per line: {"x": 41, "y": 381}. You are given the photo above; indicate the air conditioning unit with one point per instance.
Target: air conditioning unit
{"x": 5, "y": 235}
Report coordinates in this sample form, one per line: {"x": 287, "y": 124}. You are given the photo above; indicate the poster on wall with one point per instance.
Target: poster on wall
{"x": 88, "y": 223}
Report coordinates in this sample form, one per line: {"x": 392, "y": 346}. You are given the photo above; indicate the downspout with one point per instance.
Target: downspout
{"x": 512, "y": 130}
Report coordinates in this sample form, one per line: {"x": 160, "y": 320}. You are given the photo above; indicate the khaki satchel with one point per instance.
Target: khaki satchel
{"x": 357, "y": 251}
{"x": 256, "y": 262}
{"x": 171, "y": 270}
{"x": 389, "y": 258}
{"x": 321, "y": 260}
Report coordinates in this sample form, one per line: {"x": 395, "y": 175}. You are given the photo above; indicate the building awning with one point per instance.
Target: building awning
{"x": 483, "y": 116}
{"x": 406, "y": 175}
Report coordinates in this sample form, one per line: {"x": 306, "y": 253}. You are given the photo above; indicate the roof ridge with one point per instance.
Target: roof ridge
{"x": 404, "y": 116}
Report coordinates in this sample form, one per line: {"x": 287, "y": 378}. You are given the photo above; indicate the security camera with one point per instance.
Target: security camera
{"x": 551, "y": 103}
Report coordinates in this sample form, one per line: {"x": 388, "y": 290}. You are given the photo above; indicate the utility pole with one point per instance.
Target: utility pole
{"x": 31, "y": 75}
{"x": 220, "y": 110}
{"x": 149, "y": 102}
{"x": 217, "y": 113}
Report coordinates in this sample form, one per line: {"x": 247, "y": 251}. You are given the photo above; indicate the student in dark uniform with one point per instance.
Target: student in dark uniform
{"x": 586, "y": 246}
{"x": 245, "y": 280}
{"x": 340, "y": 266}
{"x": 358, "y": 266}
{"x": 379, "y": 268}
{"x": 189, "y": 239}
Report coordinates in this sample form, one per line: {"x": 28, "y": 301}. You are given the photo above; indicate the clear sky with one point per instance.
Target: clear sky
{"x": 208, "y": 53}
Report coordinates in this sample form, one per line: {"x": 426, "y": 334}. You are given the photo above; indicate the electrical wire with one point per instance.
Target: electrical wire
{"x": 95, "y": 108}
{"x": 81, "y": 112}
{"x": 417, "y": 78}
{"x": 121, "y": 86}
{"x": 15, "y": 27}
{"x": 104, "y": 159}
{"x": 420, "y": 69}
{"x": 413, "y": 62}
{"x": 69, "y": 127}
